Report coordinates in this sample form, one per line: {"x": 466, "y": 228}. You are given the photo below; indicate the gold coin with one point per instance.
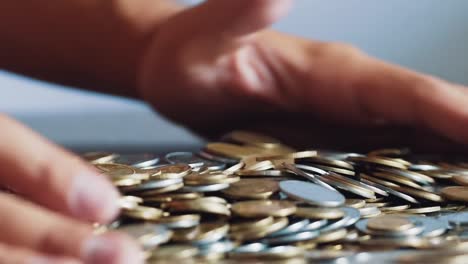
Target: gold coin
{"x": 336, "y": 170}
{"x": 255, "y": 139}
{"x": 174, "y": 252}
{"x": 330, "y": 162}
{"x": 267, "y": 173}
{"x": 396, "y": 178}
{"x": 461, "y": 179}
{"x": 252, "y": 209}
{"x": 455, "y": 193}
{"x": 288, "y": 156}
{"x": 185, "y": 234}
{"x": 389, "y": 152}
{"x": 99, "y": 157}
{"x": 116, "y": 171}
{"x": 210, "y": 230}
{"x": 260, "y": 232}
{"x": 389, "y": 223}
{"x": 232, "y": 151}
{"x": 355, "y": 203}
{"x": 197, "y": 206}
{"x": 420, "y": 194}
{"x": 373, "y": 160}
{"x": 319, "y": 213}
{"x": 179, "y": 218}
{"x": 422, "y": 210}
{"x": 395, "y": 208}
{"x": 169, "y": 171}
{"x": 126, "y": 182}
{"x": 331, "y": 236}
{"x": 251, "y": 224}
{"x": 143, "y": 213}
{"x": 234, "y": 168}
{"x": 169, "y": 197}
{"x": 252, "y": 189}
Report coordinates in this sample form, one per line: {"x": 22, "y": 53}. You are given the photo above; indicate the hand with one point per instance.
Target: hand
{"x": 59, "y": 195}
{"x": 214, "y": 67}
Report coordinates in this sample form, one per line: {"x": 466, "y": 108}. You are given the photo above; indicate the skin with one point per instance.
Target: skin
{"x": 232, "y": 73}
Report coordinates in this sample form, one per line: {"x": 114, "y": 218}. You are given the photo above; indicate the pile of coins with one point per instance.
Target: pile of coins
{"x": 251, "y": 198}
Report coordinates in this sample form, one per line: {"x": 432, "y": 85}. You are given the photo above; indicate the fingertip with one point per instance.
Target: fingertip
{"x": 93, "y": 198}
{"x": 112, "y": 248}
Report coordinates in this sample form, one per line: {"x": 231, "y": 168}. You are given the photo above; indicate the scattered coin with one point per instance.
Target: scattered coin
{"x": 251, "y": 198}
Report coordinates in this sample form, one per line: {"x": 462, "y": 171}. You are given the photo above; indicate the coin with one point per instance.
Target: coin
{"x": 197, "y": 206}
{"x": 312, "y": 193}
{"x": 99, "y": 157}
{"x": 138, "y": 160}
{"x": 284, "y": 199}
{"x": 143, "y": 213}
{"x": 455, "y": 193}
{"x": 389, "y": 223}
{"x": 147, "y": 235}
{"x": 356, "y": 203}
{"x": 319, "y": 213}
{"x": 264, "y": 208}
{"x": 252, "y": 189}
{"x": 174, "y": 252}
{"x": 255, "y": 139}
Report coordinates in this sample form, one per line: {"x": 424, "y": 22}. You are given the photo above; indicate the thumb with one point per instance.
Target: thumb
{"x": 234, "y": 18}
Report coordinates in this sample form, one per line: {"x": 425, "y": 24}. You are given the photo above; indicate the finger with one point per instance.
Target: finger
{"x": 344, "y": 84}
{"x": 405, "y": 97}
{"x": 53, "y": 177}
{"x": 231, "y": 19}
{"x": 15, "y": 255}
{"x": 26, "y": 225}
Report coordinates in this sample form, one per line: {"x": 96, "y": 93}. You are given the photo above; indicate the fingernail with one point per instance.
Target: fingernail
{"x": 112, "y": 248}
{"x": 94, "y": 198}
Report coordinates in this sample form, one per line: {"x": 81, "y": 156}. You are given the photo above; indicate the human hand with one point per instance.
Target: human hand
{"x": 214, "y": 67}
{"x": 58, "y": 196}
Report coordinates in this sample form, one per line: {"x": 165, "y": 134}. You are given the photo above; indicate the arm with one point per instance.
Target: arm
{"x": 91, "y": 44}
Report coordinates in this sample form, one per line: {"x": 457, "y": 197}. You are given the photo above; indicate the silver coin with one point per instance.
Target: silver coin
{"x": 391, "y": 191}
{"x": 212, "y": 157}
{"x": 184, "y": 158}
{"x": 315, "y": 225}
{"x": 432, "y": 227}
{"x": 206, "y": 188}
{"x": 375, "y": 189}
{"x": 138, "y": 160}
{"x": 222, "y": 246}
{"x": 423, "y": 167}
{"x": 251, "y": 248}
{"x": 154, "y": 184}
{"x": 293, "y": 169}
{"x": 345, "y": 187}
{"x": 312, "y": 193}
{"x": 292, "y": 238}
{"x": 148, "y": 235}
{"x": 458, "y": 219}
{"x": 413, "y": 176}
{"x": 352, "y": 215}
{"x": 294, "y": 227}
{"x": 417, "y": 229}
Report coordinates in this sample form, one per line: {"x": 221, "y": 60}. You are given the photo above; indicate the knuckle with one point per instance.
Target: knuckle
{"x": 338, "y": 49}
{"x": 424, "y": 85}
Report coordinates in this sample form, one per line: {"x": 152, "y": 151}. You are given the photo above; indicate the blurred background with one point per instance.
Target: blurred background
{"x": 430, "y": 36}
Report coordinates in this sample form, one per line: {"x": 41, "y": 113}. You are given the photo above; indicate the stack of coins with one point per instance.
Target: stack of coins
{"x": 252, "y": 198}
